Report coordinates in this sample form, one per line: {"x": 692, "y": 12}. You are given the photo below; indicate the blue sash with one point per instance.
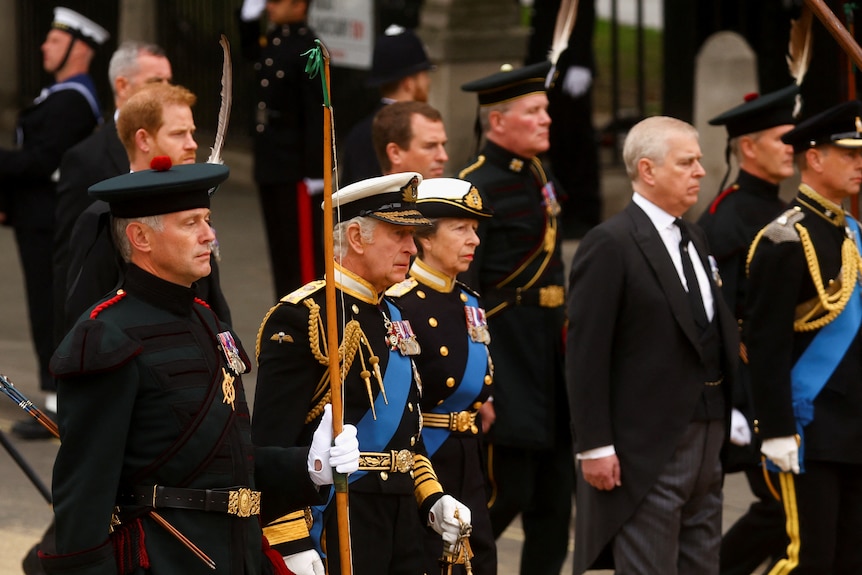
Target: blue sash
{"x": 820, "y": 359}
{"x": 468, "y": 388}
{"x": 375, "y": 434}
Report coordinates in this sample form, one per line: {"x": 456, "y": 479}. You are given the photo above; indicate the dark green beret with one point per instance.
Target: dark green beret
{"x": 155, "y": 192}
{"x": 840, "y": 125}
{"x": 390, "y": 198}
{"x": 759, "y": 112}
{"x": 509, "y": 84}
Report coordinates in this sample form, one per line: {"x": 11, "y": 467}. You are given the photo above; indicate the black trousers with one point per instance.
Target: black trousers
{"x": 36, "y": 249}
{"x": 385, "y": 535}
{"x": 757, "y": 536}
{"x": 824, "y": 520}
{"x": 278, "y": 203}
{"x": 537, "y": 484}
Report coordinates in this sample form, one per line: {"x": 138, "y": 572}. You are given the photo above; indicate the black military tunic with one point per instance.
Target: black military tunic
{"x": 287, "y": 139}
{"x": 293, "y": 387}
{"x": 456, "y": 373}
{"x": 144, "y": 402}
{"x": 518, "y": 271}
{"x": 801, "y": 247}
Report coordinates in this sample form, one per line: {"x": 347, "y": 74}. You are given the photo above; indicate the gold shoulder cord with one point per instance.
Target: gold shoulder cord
{"x": 347, "y": 352}
{"x": 833, "y": 304}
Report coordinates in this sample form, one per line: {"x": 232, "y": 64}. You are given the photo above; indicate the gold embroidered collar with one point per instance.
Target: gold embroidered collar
{"x": 355, "y": 286}
{"x": 428, "y": 276}
{"x": 824, "y": 208}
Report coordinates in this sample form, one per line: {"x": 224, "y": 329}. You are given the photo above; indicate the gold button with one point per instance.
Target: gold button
{"x": 412, "y": 441}
{"x": 477, "y": 405}
{"x": 444, "y": 351}
{"x": 432, "y": 322}
{"x": 464, "y": 298}
{"x": 410, "y": 406}
{"x": 276, "y": 41}
{"x": 488, "y": 380}
{"x": 420, "y": 294}
{"x": 450, "y": 382}
{"x": 355, "y": 308}
{"x": 384, "y": 476}
{"x": 440, "y": 402}
{"x": 411, "y": 474}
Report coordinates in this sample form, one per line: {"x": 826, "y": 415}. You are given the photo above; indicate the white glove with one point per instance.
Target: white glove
{"x": 577, "y": 81}
{"x": 314, "y": 186}
{"x": 740, "y": 433}
{"x": 305, "y": 563}
{"x": 251, "y": 9}
{"x": 442, "y": 519}
{"x": 322, "y": 455}
{"x": 783, "y": 452}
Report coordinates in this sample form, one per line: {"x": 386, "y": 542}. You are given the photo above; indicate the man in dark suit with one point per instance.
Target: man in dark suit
{"x": 651, "y": 353}
{"x": 99, "y": 157}
{"x": 64, "y": 114}
{"x": 804, "y": 338}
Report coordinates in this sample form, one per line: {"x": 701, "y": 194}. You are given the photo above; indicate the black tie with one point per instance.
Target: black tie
{"x": 694, "y": 297}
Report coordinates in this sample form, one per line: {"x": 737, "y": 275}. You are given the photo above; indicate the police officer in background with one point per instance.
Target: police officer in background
{"x": 153, "y": 416}
{"x": 287, "y": 137}
{"x": 754, "y": 131}
{"x": 64, "y": 114}
{"x": 805, "y": 349}
{"x": 518, "y": 270}
{"x": 400, "y": 70}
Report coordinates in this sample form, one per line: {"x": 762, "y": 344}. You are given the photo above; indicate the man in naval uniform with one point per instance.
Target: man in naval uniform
{"x": 754, "y": 131}
{"x": 518, "y": 271}
{"x": 373, "y": 247}
{"x": 153, "y": 417}
{"x": 64, "y": 114}
{"x": 287, "y": 137}
{"x": 805, "y": 350}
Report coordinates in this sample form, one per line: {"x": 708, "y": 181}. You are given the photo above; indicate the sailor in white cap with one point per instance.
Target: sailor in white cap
{"x": 64, "y": 114}
{"x": 374, "y": 245}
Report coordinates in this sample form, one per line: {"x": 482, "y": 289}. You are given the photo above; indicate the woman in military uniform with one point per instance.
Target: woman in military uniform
{"x": 455, "y": 367}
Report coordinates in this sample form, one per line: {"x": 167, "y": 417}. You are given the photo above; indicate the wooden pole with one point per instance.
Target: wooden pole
{"x": 836, "y": 29}
{"x": 340, "y": 480}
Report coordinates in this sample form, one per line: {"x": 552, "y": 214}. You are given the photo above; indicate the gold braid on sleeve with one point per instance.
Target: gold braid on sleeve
{"x": 832, "y": 304}
{"x": 425, "y": 481}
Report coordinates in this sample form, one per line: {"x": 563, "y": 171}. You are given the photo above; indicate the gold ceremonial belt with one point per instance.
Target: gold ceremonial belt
{"x": 393, "y": 462}
{"x": 242, "y": 502}
{"x": 458, "y": 421}
{"x": 552, "y": 296}
{"x": 715, "y": 383}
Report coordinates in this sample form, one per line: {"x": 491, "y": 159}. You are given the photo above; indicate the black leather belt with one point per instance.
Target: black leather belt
{"x": 241, "y": 501}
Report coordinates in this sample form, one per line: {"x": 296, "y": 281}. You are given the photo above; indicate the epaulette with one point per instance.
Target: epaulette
{"x": 467, "y": 289}
{"x": 472, "y": 167}
{"x": 783, "y": 228}
{"x": 297, "y": 296}
{"x": 402, "y": 287}
{"x": 93, "y": 346}
{"x": 718, "y": 199}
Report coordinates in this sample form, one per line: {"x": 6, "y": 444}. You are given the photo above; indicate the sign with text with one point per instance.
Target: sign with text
{"x": 347, "y": 29}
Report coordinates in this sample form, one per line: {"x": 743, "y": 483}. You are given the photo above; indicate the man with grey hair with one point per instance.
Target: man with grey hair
{"x": 650, "y": 352}
{"x": 380, "y": 387}
{"x": 99, "y": 157}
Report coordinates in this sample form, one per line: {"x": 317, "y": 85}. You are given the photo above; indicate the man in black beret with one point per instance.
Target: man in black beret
{"x": 153, "y": 416}
{"x": 400, "y": 70}
{"x": 519, "y": 272}
{"x": 754, "y": 131}
{"x": 805, "y": 349}
{"x": 381, "y": 389}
